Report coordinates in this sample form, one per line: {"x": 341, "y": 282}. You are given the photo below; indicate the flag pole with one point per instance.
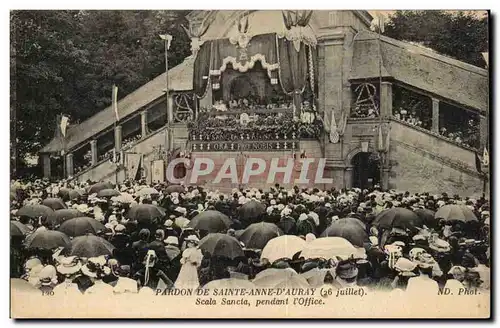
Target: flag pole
{"x": 381, "y": 152}
{"x": 168, "y": 135}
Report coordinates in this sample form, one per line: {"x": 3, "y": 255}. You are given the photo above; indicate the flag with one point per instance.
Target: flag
{"x": 478, "y": 163}
{"x": 64, "y": 125}
{"x": 343, "y": 122}
{"x": 381, "y": 22}
{"x": 115, "y": 102}
{"x": 380, "y": 142}
{"x": 334, "y": 133}
{"x": 486, "y": 157}
{"x": 133, "y": 165}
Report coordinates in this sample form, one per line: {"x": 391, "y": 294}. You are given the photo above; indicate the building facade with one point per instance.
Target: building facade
{"x": 313, "y": 84}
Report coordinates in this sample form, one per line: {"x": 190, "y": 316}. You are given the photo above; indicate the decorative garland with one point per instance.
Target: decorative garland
{"x": 248, "y": 65}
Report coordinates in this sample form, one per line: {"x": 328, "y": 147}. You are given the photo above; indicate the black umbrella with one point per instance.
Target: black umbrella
{"x": 35, "y": 211}
{"x": 258, "y": 234}
{"x": 211, "y": 221}
{"x": 108, "y": 193}
{"x": 175, "y": 188}
{"x": 47, "y": 239}
{"x": 81, "y": 226}
{"x": 288, "y": 225}
{"x": 69, "y": 194}
{"x": 94, "y": 189}
{"x": 219, "y": 244}
{"x": 455, "y": 212}
{"x": 398, "y": 217}
{"x": 351, "y": 229}
{"x": 54, "y": 203}
{"x": 145, "y": 213}
{"x": 251, "y": 211}
{"x": 17, "y": 229}
{"x": 60, "y": 216}
{"x": 90, "y": 246}
{"x": 427, "y": 217}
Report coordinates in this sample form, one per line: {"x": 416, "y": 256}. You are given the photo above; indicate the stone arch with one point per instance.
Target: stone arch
{"x": 350, "y": 156}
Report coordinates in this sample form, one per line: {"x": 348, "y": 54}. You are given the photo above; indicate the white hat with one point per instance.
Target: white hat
{"x": 168, "y": 223}
{"x": 192, "y": 238}
{"x": 99, "y": 262}
{"x": 48, "y": 275}
{"x": 69, "y": 265}
{"x": 172, "y": 240}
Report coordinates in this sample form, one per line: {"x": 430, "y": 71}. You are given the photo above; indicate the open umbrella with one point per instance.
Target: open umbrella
{"x": 351, "y": 229}
{"x": 60, "y": 216}
{"x": 280, "y": 278}
{"x": 211, "y": 221}
{"x": 427, "y": 217}
{"x": 251, "y": 211}
{"x": 108, "y": 193}
{"x": 124, "y": 198}
{"x": 229, "y": 283}
{"x": 398, "y": 217}
{"x": 54, "y": 203}
{"x": 330, "y": 248}
{"x": 69, "y": 194}
{"x": 285, "y": 246}
{"x": 288, "y": 225}
{"x": 90, "y": 246}
{"x": 147, "y": 192}
{"x": 35, "y": 211}
{"x": 258, "y": 234}
{"x": 47, "y": 239}
{"x": 219, "y": 244}
{"x": 17, "y": 229}
{"x": 81, "y": 226}
{"x": 175, "y": 188}
{"x": 94, "y": 189}
{"x": 454, "y": 212}
{"x": 145, "y": 213}
{"x": 181, "y": 222}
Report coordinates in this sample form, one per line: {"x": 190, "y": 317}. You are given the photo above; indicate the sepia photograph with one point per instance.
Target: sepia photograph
{"x": 232, "y": 164}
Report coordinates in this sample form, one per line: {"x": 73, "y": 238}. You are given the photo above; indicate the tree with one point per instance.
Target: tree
{"x": 461, "y": 35}
{"x": 67, "y": 61}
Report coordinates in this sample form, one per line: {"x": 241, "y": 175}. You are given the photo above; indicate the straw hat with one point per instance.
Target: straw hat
{"x": 69, "y": 265}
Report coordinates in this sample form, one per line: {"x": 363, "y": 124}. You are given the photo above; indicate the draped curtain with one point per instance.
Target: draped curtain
{"x": 260, "y": 48}
{"x": 201, "y": 70}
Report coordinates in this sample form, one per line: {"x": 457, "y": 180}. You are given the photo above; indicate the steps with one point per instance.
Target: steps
{"x": 424, "y": 161}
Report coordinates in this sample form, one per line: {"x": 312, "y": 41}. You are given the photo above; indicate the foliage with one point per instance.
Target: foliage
{"x": 67, "y": 61}
{"x": 461, "y": 35}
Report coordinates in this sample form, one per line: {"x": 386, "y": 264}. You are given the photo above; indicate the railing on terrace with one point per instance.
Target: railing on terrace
{"x": 254, "y": 124}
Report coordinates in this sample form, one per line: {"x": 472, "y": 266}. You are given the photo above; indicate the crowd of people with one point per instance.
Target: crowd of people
{"x": 85, "y": 238}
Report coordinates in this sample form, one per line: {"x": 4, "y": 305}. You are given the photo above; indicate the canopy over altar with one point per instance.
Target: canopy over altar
{"x": 287, "y": 52}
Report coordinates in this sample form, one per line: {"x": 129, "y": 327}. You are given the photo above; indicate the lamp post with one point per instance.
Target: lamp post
{"x": 167, "y": 39}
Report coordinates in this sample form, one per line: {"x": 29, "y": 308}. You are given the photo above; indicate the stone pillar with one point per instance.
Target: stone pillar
{"x": 170, "y": 109}
{"x": 118, "y": 138}
{"x": 435, "y": 115}
{"x": 46, "y": 166}
{"x": 348, "y": 177}
{"x": 386, "y": 100}
{"x": 384, "y": 179}
{"x": 69, "y": 165}
{"x": 93, "y": 151}
{"x": 483, "y": 132}
{"x": 144, "y": 124}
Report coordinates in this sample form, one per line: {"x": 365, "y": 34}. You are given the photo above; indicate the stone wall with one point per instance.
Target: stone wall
{"x": 416, "y": 173}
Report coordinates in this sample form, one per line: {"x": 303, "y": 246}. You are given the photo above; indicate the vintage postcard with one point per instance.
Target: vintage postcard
{"x": 250, "y": 164}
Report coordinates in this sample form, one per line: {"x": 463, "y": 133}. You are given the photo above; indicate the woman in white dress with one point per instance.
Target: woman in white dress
{"x": 191, "y": 260}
